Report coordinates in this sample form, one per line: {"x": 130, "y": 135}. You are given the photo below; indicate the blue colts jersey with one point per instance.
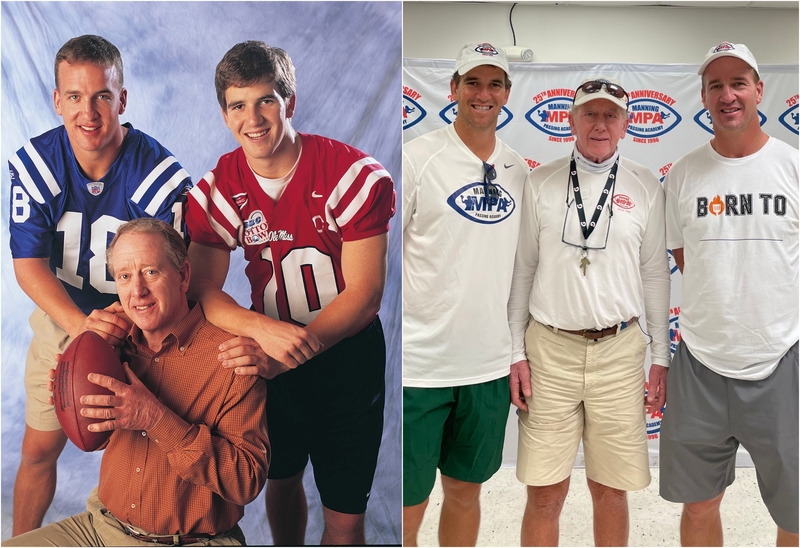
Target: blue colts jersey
{"x": 57, "y": 212}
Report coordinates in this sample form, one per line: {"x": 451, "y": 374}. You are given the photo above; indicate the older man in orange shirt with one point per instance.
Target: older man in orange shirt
{"x": 190, "y": 445}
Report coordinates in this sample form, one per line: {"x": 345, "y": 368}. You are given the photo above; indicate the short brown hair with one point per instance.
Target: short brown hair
{"x": 174, "y": 246}
{"x": 506, "y": 80}
{"x": 254, "y": 61}
{"x": 90, "y": 48}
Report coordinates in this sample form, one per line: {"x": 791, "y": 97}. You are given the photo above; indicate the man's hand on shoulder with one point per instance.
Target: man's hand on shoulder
{"x": 132, "y": 407}
{"x": 111, "y": 323}
{"x": 248, "y": 358}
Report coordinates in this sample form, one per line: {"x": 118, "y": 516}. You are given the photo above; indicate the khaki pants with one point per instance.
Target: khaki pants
{"x": 95, "y": 527}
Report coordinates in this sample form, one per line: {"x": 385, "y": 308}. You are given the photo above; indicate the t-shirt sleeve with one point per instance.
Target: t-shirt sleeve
{"x": 673, "y": 218}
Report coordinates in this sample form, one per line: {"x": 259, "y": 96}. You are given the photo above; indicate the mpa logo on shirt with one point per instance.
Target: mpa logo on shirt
{"x": 471, "y": 203}
{"x": 623, "y": 202}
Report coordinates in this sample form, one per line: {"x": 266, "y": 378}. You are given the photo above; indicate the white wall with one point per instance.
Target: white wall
{"x": 609, "y": 34}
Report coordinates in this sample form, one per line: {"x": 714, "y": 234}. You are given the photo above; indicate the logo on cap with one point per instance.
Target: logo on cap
{"x": 724, "y": 46}
{"x": 486, "y": 49}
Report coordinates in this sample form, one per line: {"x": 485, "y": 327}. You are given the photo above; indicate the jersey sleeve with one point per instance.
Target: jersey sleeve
{"x": 171, "y": 200}
{"x": 363, "y": 201}
{"x": 211, "y": 219}
{"x": 33, "y": 186}
{"x": 158, "y": 183}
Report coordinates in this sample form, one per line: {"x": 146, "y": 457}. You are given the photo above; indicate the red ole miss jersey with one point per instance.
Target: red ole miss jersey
{"x": 293, "y": 246}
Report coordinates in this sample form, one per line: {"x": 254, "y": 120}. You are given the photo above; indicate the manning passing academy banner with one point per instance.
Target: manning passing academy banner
{"x": 667, "y": 120}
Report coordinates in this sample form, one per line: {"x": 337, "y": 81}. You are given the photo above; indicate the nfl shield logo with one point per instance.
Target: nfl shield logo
{"x": 95, "y": 188}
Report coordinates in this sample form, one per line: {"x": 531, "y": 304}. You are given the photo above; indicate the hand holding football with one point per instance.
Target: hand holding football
{"x": 87, "y": 353}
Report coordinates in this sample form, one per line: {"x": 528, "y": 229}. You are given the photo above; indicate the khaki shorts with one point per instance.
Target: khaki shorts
{"x": 48, "y": 340}
{"x": 98, "y": 527}
{"x": 586, "y": 389}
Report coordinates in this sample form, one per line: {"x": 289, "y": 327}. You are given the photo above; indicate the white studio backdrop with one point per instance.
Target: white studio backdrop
{"x": 170, "y": 51}
{"x": 667, "y": 120}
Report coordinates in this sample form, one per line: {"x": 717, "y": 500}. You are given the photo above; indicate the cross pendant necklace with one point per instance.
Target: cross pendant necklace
{"x": 585, "y": 262}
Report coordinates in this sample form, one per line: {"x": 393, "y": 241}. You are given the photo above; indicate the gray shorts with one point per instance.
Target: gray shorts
{"x": 708, "y": 416}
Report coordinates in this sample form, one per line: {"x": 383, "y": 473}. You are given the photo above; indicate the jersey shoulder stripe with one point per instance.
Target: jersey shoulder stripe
{"x": 166, "y": 190}
{"x": 219, "y": 213}
{"x": 366, "y": 169}
{"x": 151, "y": 172}
{"x": 34, "y": 174}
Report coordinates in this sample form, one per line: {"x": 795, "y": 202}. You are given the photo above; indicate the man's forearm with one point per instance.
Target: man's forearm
{"x": 41, "y": 285}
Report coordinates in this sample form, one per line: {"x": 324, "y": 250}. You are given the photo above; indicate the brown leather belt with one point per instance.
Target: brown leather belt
{"x": 168, "y": 540}
{"x": 594, "y": 334}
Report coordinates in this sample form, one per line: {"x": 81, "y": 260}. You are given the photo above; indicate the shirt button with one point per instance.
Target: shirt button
{"x": 183, "y": 348}
{"x": 144, "y": 433}
{"x": 138, "y": 469}
{"x": 156, "y": 359}
{"x": 133, "y": 506}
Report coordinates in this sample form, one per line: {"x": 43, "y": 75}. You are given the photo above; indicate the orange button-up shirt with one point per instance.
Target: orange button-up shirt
{"x": 207, "y": 457}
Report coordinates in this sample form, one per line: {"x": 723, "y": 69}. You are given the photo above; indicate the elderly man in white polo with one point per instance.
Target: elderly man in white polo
{"x": 591, "y": 260}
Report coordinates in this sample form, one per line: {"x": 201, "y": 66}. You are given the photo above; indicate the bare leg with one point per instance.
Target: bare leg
{"x": 542, "y": 511}
{"x": 342, "y": 529}
{"x": 610, "y": 507}
{"x": 701, "y": 524}
{"x": 785, "y": 538}
{"x": 35, "y": 485}
{"x": 287, "y": 510}
{"x": 412, "y": 519}
{"x": 461, "y": 513}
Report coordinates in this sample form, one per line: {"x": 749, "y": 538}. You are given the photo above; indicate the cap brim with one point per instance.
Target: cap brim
{"x": 478, "y": 62}
{"x": 587, "y": 97}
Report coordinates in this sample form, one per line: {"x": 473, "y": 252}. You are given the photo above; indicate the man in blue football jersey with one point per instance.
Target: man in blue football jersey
{"x": 71, "y": 188}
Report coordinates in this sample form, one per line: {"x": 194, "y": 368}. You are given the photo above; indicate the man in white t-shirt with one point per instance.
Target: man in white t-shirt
{"x": 732, "y": 225}
{"x": 462, "y": 190}
{"x": 591, "y": 260}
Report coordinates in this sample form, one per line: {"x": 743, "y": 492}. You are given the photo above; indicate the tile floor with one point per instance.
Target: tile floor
{"x": 654, "y": 521}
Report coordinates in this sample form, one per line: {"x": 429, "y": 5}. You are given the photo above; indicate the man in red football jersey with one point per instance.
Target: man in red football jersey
{"x": 312, "y": 215}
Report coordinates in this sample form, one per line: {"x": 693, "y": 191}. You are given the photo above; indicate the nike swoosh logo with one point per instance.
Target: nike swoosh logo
{"x": 508, "y": 165}
{"x": 315, "y": 195}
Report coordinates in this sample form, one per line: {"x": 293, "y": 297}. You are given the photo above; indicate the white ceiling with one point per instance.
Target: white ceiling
{"x": 754, "y": 4}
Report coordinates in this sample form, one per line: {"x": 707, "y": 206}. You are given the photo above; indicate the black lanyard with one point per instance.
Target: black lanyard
{"x": 576, "y": 189}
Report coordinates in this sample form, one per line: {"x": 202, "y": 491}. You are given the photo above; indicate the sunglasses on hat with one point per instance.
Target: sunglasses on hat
{"x": 596, "y": 85}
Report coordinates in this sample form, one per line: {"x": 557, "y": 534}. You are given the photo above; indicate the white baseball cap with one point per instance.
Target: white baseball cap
{"x": 726, "y": 49}
{"x": 602, "y": 92}
{"x": 476, "y": 54}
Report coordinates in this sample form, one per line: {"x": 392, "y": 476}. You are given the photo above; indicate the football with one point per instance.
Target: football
{"x": 87, "y": 353}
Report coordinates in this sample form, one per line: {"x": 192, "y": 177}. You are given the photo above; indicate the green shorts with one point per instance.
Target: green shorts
{"x": 459, "y": 430}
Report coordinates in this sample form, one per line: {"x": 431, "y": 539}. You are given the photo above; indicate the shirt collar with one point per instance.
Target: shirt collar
{"x": 592, "y": 167}
{"x": 182, "y": 333}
